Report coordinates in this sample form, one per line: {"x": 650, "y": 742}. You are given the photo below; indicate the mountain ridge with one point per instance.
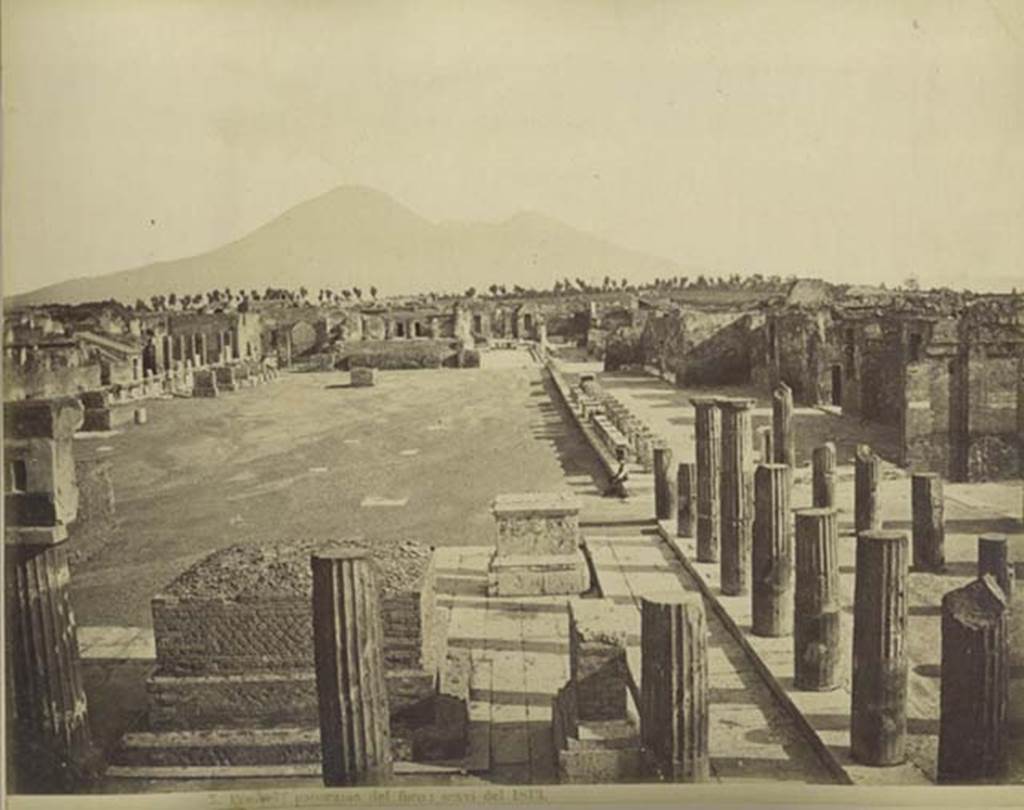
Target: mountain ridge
{"x": 360, "y": 236}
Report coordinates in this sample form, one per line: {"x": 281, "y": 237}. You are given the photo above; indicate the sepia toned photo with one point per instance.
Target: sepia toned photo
{"x": 513, "y": 403}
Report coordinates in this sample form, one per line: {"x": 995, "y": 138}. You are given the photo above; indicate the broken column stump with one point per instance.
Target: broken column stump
{"x": 928, "y": 527}
{"x": 994, "y": 559}
{"x": 707, "y": 435}
{"x": 867, "y": 473}
{"x": 823, "y": 475}
{"x": 782, "y": 425}
{"x": 878, "y": 722}
{"x": 665, "y": 497}
{"x": 686, "y": 489}
{"x": 674, "y": 687}
{"x": 347, "y": 648}
{"x": 816, "y": 602}
{"x": 49, "y": 746}
{"x": 537, "y": 546}
{"x": 973, "y": 722}
{"x": 736, "y": 495}
{"x": 594, "y": 722}
{"x": 772, "y": 553}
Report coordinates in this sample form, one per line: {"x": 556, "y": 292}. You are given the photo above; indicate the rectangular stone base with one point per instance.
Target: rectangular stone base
{"x": 536, "y": 575}
{"x": 269, "y": 699}
{"x": 110, "y": 418}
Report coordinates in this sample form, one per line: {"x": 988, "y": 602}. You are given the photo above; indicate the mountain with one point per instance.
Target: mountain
{"x": 355, "y": 236}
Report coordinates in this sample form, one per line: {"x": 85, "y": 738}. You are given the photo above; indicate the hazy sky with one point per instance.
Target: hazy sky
{"x": 867, "y": 140}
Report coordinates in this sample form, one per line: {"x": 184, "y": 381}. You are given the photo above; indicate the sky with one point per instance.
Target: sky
{"x": 855, "y": 141}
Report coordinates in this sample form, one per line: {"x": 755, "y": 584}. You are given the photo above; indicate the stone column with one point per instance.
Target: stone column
{"x": 772, "y": 553}
{"x": 816, "y": 602}
{"x": 878, "y": 723}
{"x": 674, "y": 686}
{"x": 204, "y": 349}
{"x": 823, "y": 475}
{"x": 766, "y": 444}
{"x": 686, "y": 489}
{"x": 736, "y": 495}
{"x": 352, "y": 695}
{"x": 867, "y": 473}
{"x": 994, "y": 559}
{"x": 665, "y": 492}
{"x": 782, "y": 425}
{"x": 928, "y": 529}
{"x": 973, "y": 725}
{"x": 707, "y": 433}
{"x": 49, "y": 744}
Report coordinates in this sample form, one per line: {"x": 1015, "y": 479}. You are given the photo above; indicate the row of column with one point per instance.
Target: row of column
{"x": 741, "y": 519}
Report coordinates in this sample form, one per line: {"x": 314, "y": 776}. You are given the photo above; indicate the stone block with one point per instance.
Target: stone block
{"x": 56, "y": 418}
{"x": 41, "y": 488}
{"x": 363, "y": 377}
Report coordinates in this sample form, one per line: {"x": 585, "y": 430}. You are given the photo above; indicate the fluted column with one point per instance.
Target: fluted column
{"x": 823, "y": 475}
{"x": 929, "y": 532}
{"x": 816, "y": 603}
{"x": 707, "y": 433}
{"x": 665, "y": 497}
{"x": 352, "y": 694}
{"x": 867, "y": 473}
{"x": 49, "y": 743}
{"x": 973, "y": 727}
{"x": 674, "y": 687}
{"x": 772, "y": 553}
{"x": 736, "y": 495}
{"x": 782, "y": 425}
{"x": 878, "y": 724}
{"x": 686, "y": 490}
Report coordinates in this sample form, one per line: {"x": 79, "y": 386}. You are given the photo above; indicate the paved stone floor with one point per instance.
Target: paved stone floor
{"x": 970, "y": 510}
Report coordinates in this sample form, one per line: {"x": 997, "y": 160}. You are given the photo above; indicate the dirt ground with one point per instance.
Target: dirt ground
{"x": 420, "y": 456}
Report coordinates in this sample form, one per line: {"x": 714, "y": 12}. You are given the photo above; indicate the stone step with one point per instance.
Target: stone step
{"x": 220, "y": 747}
{"x": 604, "y": 735}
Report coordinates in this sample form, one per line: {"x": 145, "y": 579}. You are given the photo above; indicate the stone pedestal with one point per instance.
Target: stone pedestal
{"x": 973, "y": 723}
{"x": 823, "y": 475}
{"x": 816, "y": 604}
{"x": 772, "y": 552}
{"x": 736, "y": 494}
{"x": 929, "y": 533}
{"x": 363, "y": 377}
{"x": 537, "y": 546}
{"x": 878, "y": 722}
{"x": 674, "y": 687}
{"x": 782, "y": 425}
{"x": 707, "y": 434}
{"x": 225, "y": 376}
{"x": 686, "y": 490}
{"x": 204, "y": 383}
{"x": 347, "y": 645}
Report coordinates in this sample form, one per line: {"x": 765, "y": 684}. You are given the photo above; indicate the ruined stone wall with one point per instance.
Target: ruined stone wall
{"x": 926, "y": 437}
{"x": 798, "y": 346}
{"x": 994, "y": 443}
{"x": 40, "y": 382}
{"x": 719, "y": 347}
